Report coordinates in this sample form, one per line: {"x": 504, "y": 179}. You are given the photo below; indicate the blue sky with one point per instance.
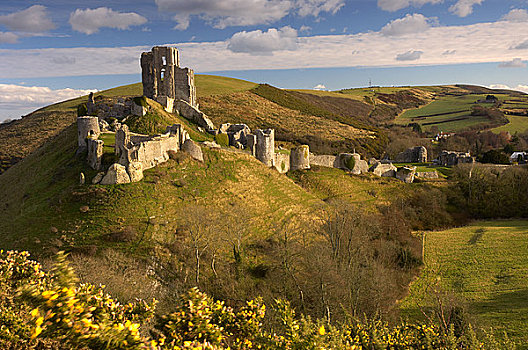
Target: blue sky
{"x": 52, "y": 50}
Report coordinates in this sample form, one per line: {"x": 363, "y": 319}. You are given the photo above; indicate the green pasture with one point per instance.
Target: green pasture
{"x": 485, "y": 265}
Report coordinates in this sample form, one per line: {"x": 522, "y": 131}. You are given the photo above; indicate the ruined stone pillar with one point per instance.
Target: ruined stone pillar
{"x": 265, "y": 149}
{"x": 300, "y": 158}
{"x": 88, "y": 127}
{"x": 122, "y": 139}
{"x": 95, "y": 153}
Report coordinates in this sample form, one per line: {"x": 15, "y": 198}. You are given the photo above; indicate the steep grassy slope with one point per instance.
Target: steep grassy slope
{"x": 22, "y": 136}
{"x": 486, "y": 263}
{"x": 296, "y": 119}
{"x": 230, "y": 204}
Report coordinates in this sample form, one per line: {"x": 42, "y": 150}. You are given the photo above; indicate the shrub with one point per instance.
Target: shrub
{"x": 82, "y": 110}
{"x": 141, "y": 101}
{"x": 76, "y": 315}
{"x": 350, "y": 163}
{"x": 222, "y": 140}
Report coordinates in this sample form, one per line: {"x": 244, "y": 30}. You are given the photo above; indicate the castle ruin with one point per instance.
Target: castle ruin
{"x": 172, "y": 86}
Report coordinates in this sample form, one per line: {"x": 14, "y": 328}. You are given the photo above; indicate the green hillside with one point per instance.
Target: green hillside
{"x": 484, "y": 263}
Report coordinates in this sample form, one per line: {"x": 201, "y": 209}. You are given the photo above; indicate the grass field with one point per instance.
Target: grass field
{"x": 448, "y": 113}
{"x": 485, "y": 263}
{"x": 517, "y": 124}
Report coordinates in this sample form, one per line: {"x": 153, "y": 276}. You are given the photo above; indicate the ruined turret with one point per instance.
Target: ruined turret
{"x": 300, "y": 158}
{"x": 88, "y": 127}
{"x": 265, "y": 147}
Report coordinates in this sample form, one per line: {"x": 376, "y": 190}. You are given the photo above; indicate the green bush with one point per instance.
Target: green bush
{"x": 222, "y": 140}
{"x": 350, "y": 163}
{"x": 141, "y": 101}
{"x": 82, "y": 110}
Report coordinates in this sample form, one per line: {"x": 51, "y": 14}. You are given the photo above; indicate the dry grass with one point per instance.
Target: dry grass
{"x": 23, "y": 136}
{"x": 258, "y": 112}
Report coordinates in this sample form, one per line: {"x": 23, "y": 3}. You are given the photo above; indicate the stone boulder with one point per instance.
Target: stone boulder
{"x": 103, "y": 125}
{"x": 383, "y": 169}
{"x": 97, "y": 178}
{"x": 116, "y": 174}
{"x": 427, "y": 175}
{"x": 406, "y": 174}
{"x": 135, "y": 171}
{"x": 192, "y": 149}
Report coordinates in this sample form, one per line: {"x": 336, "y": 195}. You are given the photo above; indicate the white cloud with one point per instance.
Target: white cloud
{"x": 409, "y": 24}
{"x": 520, "y": 46}
{"x": 515, "y": 63}
{"x": 8, "y": 38}
{"x": 34, "y": 19}
{"x": 449, "y": 52}
{"x": 520, "y": 87}
{"x": 315, "y": 7}
{"x": 226, "y": 13}
{"x": 89, "y": 21}
{"x": 305, "y": 29}
{"x": 319, "y": 87}
{"x": 411, "y": 55}
{"x": 476, "y": 43}
{"x": 17, "y": 96}
{"x": 516, "y": 15}
{"x": 464, "y": 8}
{"x": 395, "y": 5}
{"x": 261, "y": 42}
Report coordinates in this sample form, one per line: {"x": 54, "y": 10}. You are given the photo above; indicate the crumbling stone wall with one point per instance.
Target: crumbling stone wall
{"x": 115, "y": 107}
{"x": 149, "y": 151}
{"x": 282, "y": 162}
{"x": 413, "y": 155}
{"x": 87, "y": 127}
{"x": 452, "y": 158}
{"x": 194, "y": 114}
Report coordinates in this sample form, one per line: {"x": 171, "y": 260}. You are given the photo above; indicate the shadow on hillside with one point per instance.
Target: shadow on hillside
{"x": 502, "y": 303}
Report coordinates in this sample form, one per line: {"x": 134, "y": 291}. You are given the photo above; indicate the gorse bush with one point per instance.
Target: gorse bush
{"x": 53, "y": 310}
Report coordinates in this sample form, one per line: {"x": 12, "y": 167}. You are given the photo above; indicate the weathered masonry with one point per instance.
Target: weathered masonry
{"x": 172, "y": 86}
{"x": 162, "y": 76}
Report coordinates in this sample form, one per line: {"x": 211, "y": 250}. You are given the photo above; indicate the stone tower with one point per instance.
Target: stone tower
{"x": 87, "y": 127}
{"x": 265, "y": 147}
{"x": 163, "y": 77}
{"x": 300, "y": 158}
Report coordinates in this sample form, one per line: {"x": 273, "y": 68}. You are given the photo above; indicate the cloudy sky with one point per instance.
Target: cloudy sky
{"x": 58, "y": 49}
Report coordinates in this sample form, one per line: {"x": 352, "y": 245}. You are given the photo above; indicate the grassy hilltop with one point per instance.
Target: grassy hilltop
{"x": 335, "y": 245}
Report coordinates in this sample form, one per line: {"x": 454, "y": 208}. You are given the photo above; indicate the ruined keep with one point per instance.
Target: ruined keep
{"x": 163, "y": 78}
{"x": 88, "y": 127}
